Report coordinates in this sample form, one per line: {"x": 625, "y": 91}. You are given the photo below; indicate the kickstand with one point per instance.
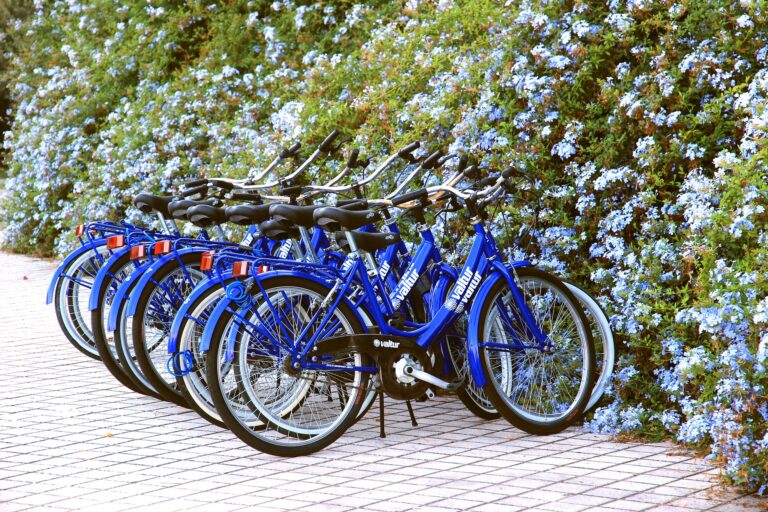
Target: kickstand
{"x": 410, "y": 412}
{"x": 382, "y": 434}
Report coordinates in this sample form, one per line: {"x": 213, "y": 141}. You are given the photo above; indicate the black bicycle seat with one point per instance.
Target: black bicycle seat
{"x": 299, "y": 215}
{"x": 368, "y": 241}
{"x": 149, "y": 203}
{"x": 247, "y": 214}
{"x": 206, "y": 216}
{"x": 278, "y": 229}
{"x": 334, "y": 219}
{"x": 178, "y": 209}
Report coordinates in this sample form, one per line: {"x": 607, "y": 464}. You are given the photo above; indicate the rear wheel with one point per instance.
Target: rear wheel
{"x": 300, "y": 410}
{"x": 117, "y": 273}
{"x": 151, "y": 325}
{"x": 71, "y": 294}
{"x": 541, "y": 388}
{"x": 193, "y": 384}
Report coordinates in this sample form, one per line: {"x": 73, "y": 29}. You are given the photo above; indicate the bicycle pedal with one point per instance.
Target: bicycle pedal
{"x": 455, "y": 384}
{"x": 429, "y": 394}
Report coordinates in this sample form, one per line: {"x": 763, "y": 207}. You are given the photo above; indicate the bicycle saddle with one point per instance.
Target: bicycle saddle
{"x": 178, "y": 209}
{"x": 334, "y": 219}
{"x": 247, "y": 214}
{"x": 299, "y": 215}
{"x": 149, "y": 203}
{"x": 205, "y": 216}
{"x": 368, "y": 241}
{"x": 278, "y": 229}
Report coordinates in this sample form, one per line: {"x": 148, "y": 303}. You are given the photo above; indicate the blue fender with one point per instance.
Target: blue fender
{"x": 124, "y": 290}
{"x": 93, "y": 300}
{"x": 201, "y": 288}
{"x": 225, "y": 303}
{"x": 67, "y": 261}
{"x": 473, "y": 344}
{"x": 149, "y": 274}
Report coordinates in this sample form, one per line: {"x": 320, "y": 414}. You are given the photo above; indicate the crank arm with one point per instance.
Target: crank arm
{"x": 431, "y": 379}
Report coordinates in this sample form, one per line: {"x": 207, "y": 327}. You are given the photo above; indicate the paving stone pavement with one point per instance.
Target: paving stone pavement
{"x": 72, "y": 438}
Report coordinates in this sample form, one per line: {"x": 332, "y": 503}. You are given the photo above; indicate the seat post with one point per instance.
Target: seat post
{"x": 219, "y": 232}
{"x": 164, "y": 223}
{"x": 305, "y": 238}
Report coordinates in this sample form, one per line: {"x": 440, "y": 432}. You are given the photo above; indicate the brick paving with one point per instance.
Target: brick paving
{"x": 72, "y": 438}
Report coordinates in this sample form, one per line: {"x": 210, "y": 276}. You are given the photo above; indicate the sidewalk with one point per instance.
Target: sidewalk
{"x": 72, "y": 438}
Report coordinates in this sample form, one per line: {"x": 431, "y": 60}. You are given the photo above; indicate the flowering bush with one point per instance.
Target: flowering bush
{"x": 643, "y": 124}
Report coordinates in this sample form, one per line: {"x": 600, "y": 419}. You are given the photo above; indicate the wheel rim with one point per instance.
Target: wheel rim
{"x": 158, "y": 317}
{"x": 75, "y": 297}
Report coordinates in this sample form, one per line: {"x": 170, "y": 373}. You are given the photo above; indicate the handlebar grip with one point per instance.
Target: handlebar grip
{"x": 352, "y": 204}
{"x": 410, "y": 196}
{"x": 407, "y": 150}
{"x": 291, "y": 151}
{"x": 195, "y": 183}
{"x": 201, "y": 189}
{"x": 488, "y": 181}
{"x": 431, "y": 160}
{"x": 252, "y": 197}
{"x": 292, "y": 191}
{"x": 471, "y": 171}
{"x": 353, "y": 158}
{"x": 463, "y": 161}
{"x": 224, "y": 185}
{"x": 326, "y": 144}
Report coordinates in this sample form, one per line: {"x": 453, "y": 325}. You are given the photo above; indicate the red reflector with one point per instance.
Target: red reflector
{"x": 162, "y": 247}
{"x": 115, "y": 242}
{"x": 80, "y": 230}
{"x": 206, "y": 261}
{"x": 263, "y": 268}
{"x": 240, "y": 269}
{"x": 138, "y": 251}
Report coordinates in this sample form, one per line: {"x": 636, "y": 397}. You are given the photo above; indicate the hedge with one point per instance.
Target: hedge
{"x": 643, "y": 122}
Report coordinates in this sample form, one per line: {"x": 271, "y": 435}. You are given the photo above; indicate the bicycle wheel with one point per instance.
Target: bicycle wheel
{"x": 127, "y": 355}
{"x": 71, "y": 299}
{"x": 605, "y": 346}
{"x": 193, "y": 384}
{"x": 117, "y": 272}
{"x": 301, "y": 411}
{"x": 157, "y": 305}
{"x": 541, "y": 390}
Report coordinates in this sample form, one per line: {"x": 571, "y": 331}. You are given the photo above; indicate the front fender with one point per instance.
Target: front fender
{"x": 68, "y": 261}
{"x": 473, "y": 343}
{"x": 225, "y": 303}
{"x": 201, "y": 288}
{"x": 93, "y": 300}
{"x": 149, "y": 274}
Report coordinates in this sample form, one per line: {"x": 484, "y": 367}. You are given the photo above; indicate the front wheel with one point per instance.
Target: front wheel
{"x": 540, "y": 386}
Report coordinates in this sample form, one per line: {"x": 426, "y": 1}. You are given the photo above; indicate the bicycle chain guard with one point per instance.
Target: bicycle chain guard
{"x": 387, "y": 351}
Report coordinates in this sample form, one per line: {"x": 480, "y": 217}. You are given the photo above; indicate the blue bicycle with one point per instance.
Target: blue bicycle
{"x": 303, "y": 350}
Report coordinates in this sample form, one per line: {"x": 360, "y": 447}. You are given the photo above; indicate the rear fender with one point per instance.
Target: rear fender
{"x": 123, "y": 291}
{"x": 201, "y": 288}
{"x": 68, "y": 261}
{"x": 93, "y": 300}
{"x": 149, "y": 274}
